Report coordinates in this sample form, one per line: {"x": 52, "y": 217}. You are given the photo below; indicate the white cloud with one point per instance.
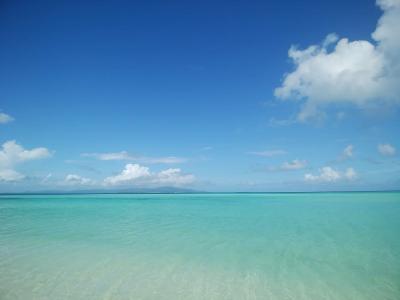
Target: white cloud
{"x": 386, "y": 149}
{"x": 173, "y": 177}
{"x": 124, "y": 155}
{"x": 76, "y": 180}
{"x": 4, "y": 118}
{"x": 131, "y": 173}
{"x": 12, "y": 154}
{"x": 293, "y": 165}
{"x": 359, "y": 73}
{"x": 325, "y": 174}
{"x": 348, "y": 151}
{"x": 140, "y": 175}
{"x": 268, "y": 153}
{"x": 350, "y": 174}
{"x": 10, "y": 175}
{"x": 328, "y": 174}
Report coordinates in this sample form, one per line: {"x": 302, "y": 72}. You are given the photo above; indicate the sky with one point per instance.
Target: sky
{"x": 210, "y": 95}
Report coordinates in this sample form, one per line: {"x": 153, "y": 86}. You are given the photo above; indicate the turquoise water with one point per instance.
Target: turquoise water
{"x": 201, "y": 246}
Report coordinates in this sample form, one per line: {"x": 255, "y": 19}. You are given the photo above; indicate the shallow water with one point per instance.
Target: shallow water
{"x": 201, "y": 246}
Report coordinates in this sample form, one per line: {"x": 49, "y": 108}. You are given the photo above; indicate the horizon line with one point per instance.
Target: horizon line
{"x": 195, "y": 192}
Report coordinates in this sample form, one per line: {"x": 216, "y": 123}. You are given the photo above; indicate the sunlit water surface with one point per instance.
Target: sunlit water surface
{"x": 201, "y": 246}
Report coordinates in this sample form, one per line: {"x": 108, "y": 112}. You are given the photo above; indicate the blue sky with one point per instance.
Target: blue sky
{"x": 216, "y": 96}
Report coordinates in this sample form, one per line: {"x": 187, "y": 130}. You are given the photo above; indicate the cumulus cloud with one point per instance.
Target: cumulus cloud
{"x": 386, "y": 149}
{"x": 13, "y": 154}
{"x": 141, "y": 175}
{"x": 328, "y": 174}
{"x": 124, "y": 155}
{"x": 339, "y": 71}
{"x": 76, "y": 180}
{"x": 268, "y": 153}
{"x": 325, "y": 174}
{"x": 131, "y": 173}
{"x": 4, "y": 118}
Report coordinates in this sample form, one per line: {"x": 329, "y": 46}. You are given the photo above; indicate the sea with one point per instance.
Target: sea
{"x": 283, "y": 246}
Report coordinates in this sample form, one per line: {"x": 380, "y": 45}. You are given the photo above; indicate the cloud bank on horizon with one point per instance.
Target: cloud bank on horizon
{"x": 340, "y": 72}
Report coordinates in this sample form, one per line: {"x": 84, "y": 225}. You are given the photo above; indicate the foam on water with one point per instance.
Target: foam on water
{"x": 204, "y": 246}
